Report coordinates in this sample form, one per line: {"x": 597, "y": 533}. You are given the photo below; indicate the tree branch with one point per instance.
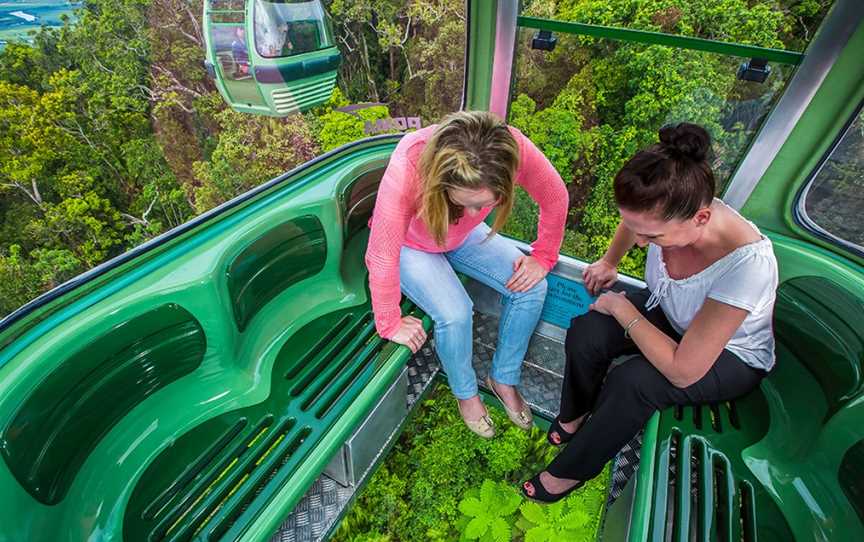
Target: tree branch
{"x": 34, "y": 196}
{"x": 407, "y": 29}
{"x": 142, "y": 221}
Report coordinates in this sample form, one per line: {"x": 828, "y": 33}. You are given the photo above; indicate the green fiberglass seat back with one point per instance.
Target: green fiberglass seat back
{"x": 270, "y": 57}
{"x": 195, "y": 388}
{"x": 811, "y": 459}
{"x": 787, "y": 461}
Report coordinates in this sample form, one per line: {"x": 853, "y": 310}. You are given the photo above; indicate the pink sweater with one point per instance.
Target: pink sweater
{"x": 395, "y": 221}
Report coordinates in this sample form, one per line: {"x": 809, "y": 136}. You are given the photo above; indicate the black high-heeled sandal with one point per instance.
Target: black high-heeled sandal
{"x": 563, "y": 436}
{"x": 543, "y": 496}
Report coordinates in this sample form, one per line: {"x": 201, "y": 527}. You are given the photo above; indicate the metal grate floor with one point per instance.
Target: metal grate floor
{"x": 542, "y": 373}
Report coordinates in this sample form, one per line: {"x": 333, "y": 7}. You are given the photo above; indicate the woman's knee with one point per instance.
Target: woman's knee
{"x": 539, "y": 289}
{"x": 592, "y": 330}
{"x": 536, "y": 294}
{"x": 637, "y": 378}
{"x": 454, "y": 314}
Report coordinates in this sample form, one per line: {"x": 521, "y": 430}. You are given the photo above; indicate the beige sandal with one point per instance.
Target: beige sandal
{"x": 522, "y": 418}
{"x": 482, "y": 427}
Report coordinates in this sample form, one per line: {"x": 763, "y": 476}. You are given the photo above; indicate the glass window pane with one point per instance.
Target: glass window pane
{"x": 784, "y": 24}
{"x": 229, "y": 46}
{"x": 226, "y": 5}
{"x": 227, "y": 17}
{"x": 169, "y": 147}
{"x": 833, "y": 202}
{"x": 591, "y": 103}
{"x": 284, "y": 29}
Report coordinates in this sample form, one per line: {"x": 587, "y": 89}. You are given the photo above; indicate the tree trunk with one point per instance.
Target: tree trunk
{"x": 373, "y": 91}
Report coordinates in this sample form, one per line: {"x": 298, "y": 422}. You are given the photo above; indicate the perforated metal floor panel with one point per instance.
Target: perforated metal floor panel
{"x": 542, "y": 374}
{"x": 542, "y": 371}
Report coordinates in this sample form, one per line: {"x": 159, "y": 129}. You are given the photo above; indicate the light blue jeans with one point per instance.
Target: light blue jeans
{"x": 430, "y": 281}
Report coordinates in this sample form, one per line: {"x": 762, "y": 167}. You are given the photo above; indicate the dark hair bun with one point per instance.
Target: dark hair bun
{"x": 686, "y": 139}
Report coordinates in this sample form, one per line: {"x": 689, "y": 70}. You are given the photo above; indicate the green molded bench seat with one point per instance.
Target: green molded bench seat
{"x": 781, "y": 463}
{"x": 205, "y": 481}
{"x": 703, "y": 491}
{"x": 59, "y": 424}
{"x": 196, "y": 388}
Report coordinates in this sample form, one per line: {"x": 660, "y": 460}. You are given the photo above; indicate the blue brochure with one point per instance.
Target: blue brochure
{"x": 565, "y": 299}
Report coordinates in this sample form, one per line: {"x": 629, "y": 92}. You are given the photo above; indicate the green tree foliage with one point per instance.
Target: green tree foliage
{"x": 25, "y": 277}
{"x": 433, "y": 78}
{"x": 338, "y": 128}
{"x": 111, "y": 132}
{"x": 416, "y": 493}
{"x": 430, "y": 485}
{"x": 803, "y": 18}
{"x": 184, "y": 101}
{"x": 81, "y": 176}
{"x": 251, "y": 149}
{"x": 575, "y": 518}
{"x": 488, "y": 512}
{"x": 407, "y": 53}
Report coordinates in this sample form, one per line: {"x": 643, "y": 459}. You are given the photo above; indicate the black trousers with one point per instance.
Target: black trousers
{"x": 619, "y": 406}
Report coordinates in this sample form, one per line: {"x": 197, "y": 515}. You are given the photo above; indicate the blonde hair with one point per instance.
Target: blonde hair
{"x": 471, "y": 150}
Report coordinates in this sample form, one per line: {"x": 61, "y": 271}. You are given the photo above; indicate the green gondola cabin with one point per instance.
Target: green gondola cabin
{"x": 270, "y": 58}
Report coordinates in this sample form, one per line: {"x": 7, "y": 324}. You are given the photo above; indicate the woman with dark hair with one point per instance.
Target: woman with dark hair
{"x": 700, "y": 333}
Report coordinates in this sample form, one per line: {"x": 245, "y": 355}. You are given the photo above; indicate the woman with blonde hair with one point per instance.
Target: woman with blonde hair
{"x": 441, "y": 183}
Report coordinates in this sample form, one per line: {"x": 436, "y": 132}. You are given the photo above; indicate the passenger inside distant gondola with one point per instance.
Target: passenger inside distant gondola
{"x": 239, "y": 53}
{"x": 271, "y": 32}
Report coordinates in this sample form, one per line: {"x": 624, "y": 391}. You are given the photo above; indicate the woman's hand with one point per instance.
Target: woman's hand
{"x": 527, "y": 272}
{"x": 610, "y": 303}
{"x": 600, "y": 274}
{"x": 410, "y": 333}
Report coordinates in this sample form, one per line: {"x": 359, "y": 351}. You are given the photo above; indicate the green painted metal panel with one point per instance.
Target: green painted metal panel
{"x": 851, "y": 477}
{"x": 701, "y": 484}
{"x": 358, "y": 202}
{"x": 813, "y": 421}
{"x": 799, "y": 258}
{"x": 820, "y": 322}
{"x": 481, "y": 51}
{"x": 66, "y": 416}
{"x": 304, "y": 82}
{"x": 658, "y": 38}
{"x": 323, "y": 61}
{"x": 281, "y": 257}
{"x": 640, "y": 513}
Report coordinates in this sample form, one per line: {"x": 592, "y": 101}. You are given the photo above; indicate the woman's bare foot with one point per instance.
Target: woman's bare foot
{"x": 476, "y": 418}
{"x": 552, "y": 484}
{"x": 571, "y": 427}
{"x": 473, "y": 408}
{"x": 556, "y": 485}
{"x": 509, "y": 395}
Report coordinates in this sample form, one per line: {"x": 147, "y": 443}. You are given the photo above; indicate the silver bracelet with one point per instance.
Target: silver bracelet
{"x": 629, "y": 326}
